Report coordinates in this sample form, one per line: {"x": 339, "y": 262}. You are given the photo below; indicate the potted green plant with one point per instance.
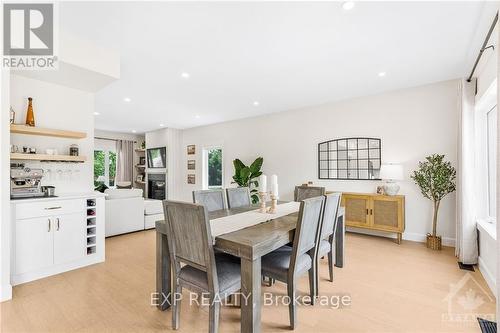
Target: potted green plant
{"x": 246, "y": 176}
{"x": 436, "y": 178}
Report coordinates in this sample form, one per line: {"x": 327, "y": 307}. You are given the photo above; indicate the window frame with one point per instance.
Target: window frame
{"x": 106, "y": 147}
{"x": 205, "y": 151}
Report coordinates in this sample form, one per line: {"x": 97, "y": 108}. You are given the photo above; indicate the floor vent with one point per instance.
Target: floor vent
{"x": 487, "y": 326}
{"x": 466, "y": 267}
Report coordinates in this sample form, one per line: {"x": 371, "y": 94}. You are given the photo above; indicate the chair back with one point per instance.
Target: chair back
{"x": 189, "y": 235}
{"x": 238, "y": 197}
{"x": 306, "y": 192}
{"x": 308, "y": 223}
{"x": 211, "y": 199}
{"x": 329, "y": 219}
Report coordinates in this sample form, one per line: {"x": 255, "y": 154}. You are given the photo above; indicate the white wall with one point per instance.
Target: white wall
{"x": 5, "y": 287}
{"x": 57, "y": 107}
{"x": 412, "y": 124}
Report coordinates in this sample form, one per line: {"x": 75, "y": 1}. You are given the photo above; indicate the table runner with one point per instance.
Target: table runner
{"x": 227, "y": 224}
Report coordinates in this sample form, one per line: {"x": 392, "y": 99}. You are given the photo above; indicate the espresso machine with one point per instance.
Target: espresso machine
{"x": 25, "y": 182}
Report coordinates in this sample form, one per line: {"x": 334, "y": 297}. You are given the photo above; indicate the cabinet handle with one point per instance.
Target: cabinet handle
{"x": 49, "y": 208}
{"x": 57, "y": 229}
{"x": 48, "y": 225}
{"x": 367, "y": 212}
{"x": 371, "y": 211}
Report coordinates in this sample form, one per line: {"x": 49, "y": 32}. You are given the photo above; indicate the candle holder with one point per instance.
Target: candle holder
{"x": 262, "y": 196}
{"x": 274, "y": 203}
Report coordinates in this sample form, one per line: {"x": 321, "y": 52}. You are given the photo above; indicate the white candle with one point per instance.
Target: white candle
{"x": 274, "y": 185}
{"x": 263, "y": 183}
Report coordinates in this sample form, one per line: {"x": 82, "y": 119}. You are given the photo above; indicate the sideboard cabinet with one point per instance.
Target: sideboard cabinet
{"x": 375, "y": 212}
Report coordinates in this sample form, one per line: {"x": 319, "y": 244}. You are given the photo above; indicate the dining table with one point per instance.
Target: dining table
{"x": 249, "y": 244}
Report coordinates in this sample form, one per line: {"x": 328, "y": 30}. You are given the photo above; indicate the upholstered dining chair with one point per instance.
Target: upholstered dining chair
{"x": 306, "y": 192}
{"x": 238, "y": 197}
{"x": 211, "y": 199}
{"x": 287, "y": 264}
{"x": 327, "y": 234}
{"x": 203, "y": 271}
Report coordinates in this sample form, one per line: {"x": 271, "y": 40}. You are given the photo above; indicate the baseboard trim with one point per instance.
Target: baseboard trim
{"x": 490, "y": 279}
{"x": 415, "y": 237}
{"x": 6, "y": 292}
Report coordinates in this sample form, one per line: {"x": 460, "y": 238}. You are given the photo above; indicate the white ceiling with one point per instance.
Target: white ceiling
{"x": 286, "y": 55}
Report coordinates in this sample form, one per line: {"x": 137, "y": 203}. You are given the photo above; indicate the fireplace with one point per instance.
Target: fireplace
{"x": 157, "y": 186}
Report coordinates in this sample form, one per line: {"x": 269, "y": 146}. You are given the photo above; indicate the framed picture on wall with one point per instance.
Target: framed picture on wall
{"x": 191, "y": 149}
{"x": 191, "y": 179}
{"x": 191, "y": 164}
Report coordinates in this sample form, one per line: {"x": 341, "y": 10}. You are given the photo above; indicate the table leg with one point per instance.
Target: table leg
{"x": 163, "y": 272}
{"x": 339, "y": 242}
{"x": 250, "y": 299}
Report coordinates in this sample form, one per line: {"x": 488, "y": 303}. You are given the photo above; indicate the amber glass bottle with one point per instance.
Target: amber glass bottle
{"x": 30, "y": 116}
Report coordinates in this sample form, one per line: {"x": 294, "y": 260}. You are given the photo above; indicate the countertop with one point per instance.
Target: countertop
{"x": 62, "y": 196}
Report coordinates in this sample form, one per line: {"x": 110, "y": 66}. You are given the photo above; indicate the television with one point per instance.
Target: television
{"x": 157, "y": 157}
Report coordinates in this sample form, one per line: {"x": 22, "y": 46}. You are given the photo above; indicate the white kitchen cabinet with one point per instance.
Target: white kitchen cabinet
{"x": 69, "y": 237}
{"x": 51, "y": 236}
{"x": 34, "y": 244}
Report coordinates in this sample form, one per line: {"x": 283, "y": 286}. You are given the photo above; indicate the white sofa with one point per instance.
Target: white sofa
{"x": 124, "y": 211}
{"x": 153, "y": 211}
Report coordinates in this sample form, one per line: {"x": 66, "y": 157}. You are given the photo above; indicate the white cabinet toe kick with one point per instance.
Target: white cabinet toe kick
{"x": 54, "y": 236}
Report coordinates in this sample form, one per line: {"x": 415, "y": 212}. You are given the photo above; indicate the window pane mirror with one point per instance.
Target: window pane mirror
{"x": 349, "y": 158}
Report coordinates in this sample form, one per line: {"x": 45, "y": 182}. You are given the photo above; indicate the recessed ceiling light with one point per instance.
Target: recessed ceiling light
{"x": 96, "y": 113}
{"x": 256, "y": 103}
{"x": 127, "y": 99}
{"x": 185, "y": 75}
{"x": 161, "y": 125}
{"x": 348, "y": 5}
{"x": 134, "y": 131}
{"x": 381, "y": 74}
{"x": 197, "y": 116}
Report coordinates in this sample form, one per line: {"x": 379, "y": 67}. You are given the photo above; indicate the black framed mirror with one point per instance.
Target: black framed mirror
{"x": 350, "y": 158}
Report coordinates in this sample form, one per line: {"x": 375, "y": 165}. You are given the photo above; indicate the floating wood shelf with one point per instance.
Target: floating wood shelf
{"x": 139, "y": 150}
{"x": 45, "y": 157}
{"x": 140, "y": 166}
{"x": 140, "y": 182}
{"x": 23, "y": 129}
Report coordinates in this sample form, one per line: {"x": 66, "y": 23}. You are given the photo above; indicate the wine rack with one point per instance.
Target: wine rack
{"x": 91, "y": 228}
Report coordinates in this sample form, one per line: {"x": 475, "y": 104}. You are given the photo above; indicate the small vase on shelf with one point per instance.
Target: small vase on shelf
{"x": 30, "y": 116}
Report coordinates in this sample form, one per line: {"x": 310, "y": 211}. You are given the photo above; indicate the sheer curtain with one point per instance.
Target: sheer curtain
{"x": 124, "y": 160}
{"x": 466, "y": 237}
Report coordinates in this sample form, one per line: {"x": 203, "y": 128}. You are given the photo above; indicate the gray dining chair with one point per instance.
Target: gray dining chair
{"x": 238, "y": 197}
{"x": 327, "y": 234}
{"x": 211, "y": 199}
{"x": 195, "y": 265}
{"x": 306, "y": 192}
{"x": 287, "y": 264}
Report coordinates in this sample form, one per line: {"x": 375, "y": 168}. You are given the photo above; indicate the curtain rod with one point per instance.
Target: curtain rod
{"x": 96, "y": 137}
{"x": 484, "y": 47}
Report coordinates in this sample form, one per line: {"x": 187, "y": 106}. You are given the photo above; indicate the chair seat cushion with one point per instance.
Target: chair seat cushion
{"x": 277, "y": 263}
{"x": 228, "y": 273}
{"x": 324, "y": 248}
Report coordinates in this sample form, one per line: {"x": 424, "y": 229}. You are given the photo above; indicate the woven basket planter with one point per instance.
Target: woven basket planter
{"x": 433, "y": 242}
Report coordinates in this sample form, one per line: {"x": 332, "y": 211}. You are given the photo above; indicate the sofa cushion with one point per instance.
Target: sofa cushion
{"x": 122, "y": 193}
{"x": 153, "y": 207}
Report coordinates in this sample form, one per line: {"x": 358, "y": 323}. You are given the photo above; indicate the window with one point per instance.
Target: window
{"x": 104, "y": 162}
{"x": 212, "y": 168}
{"x": 491, "y": 123}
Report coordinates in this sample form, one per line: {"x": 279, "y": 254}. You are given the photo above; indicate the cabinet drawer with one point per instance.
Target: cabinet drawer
{"x": 49, "y": 208}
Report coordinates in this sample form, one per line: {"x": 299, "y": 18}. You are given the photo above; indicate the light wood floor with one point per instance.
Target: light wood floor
{"x": 393, "y": 289}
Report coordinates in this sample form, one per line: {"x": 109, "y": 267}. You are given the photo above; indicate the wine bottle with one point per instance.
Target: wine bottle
{"x": 30, "y": 116}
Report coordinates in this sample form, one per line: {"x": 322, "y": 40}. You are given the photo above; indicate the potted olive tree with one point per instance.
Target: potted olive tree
{"x": 436, "y": 178}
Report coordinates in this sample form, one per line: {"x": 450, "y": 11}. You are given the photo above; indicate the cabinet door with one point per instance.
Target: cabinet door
{"x": 34, "y": 244}
{"x": 387, "y": 213}
{"x": 356, "y": 209}
{"x": 69, "y": 237}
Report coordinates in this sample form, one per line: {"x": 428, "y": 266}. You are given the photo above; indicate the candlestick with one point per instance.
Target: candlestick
{"x": 262, "y": 196}
{"x": 274, "y": 203}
